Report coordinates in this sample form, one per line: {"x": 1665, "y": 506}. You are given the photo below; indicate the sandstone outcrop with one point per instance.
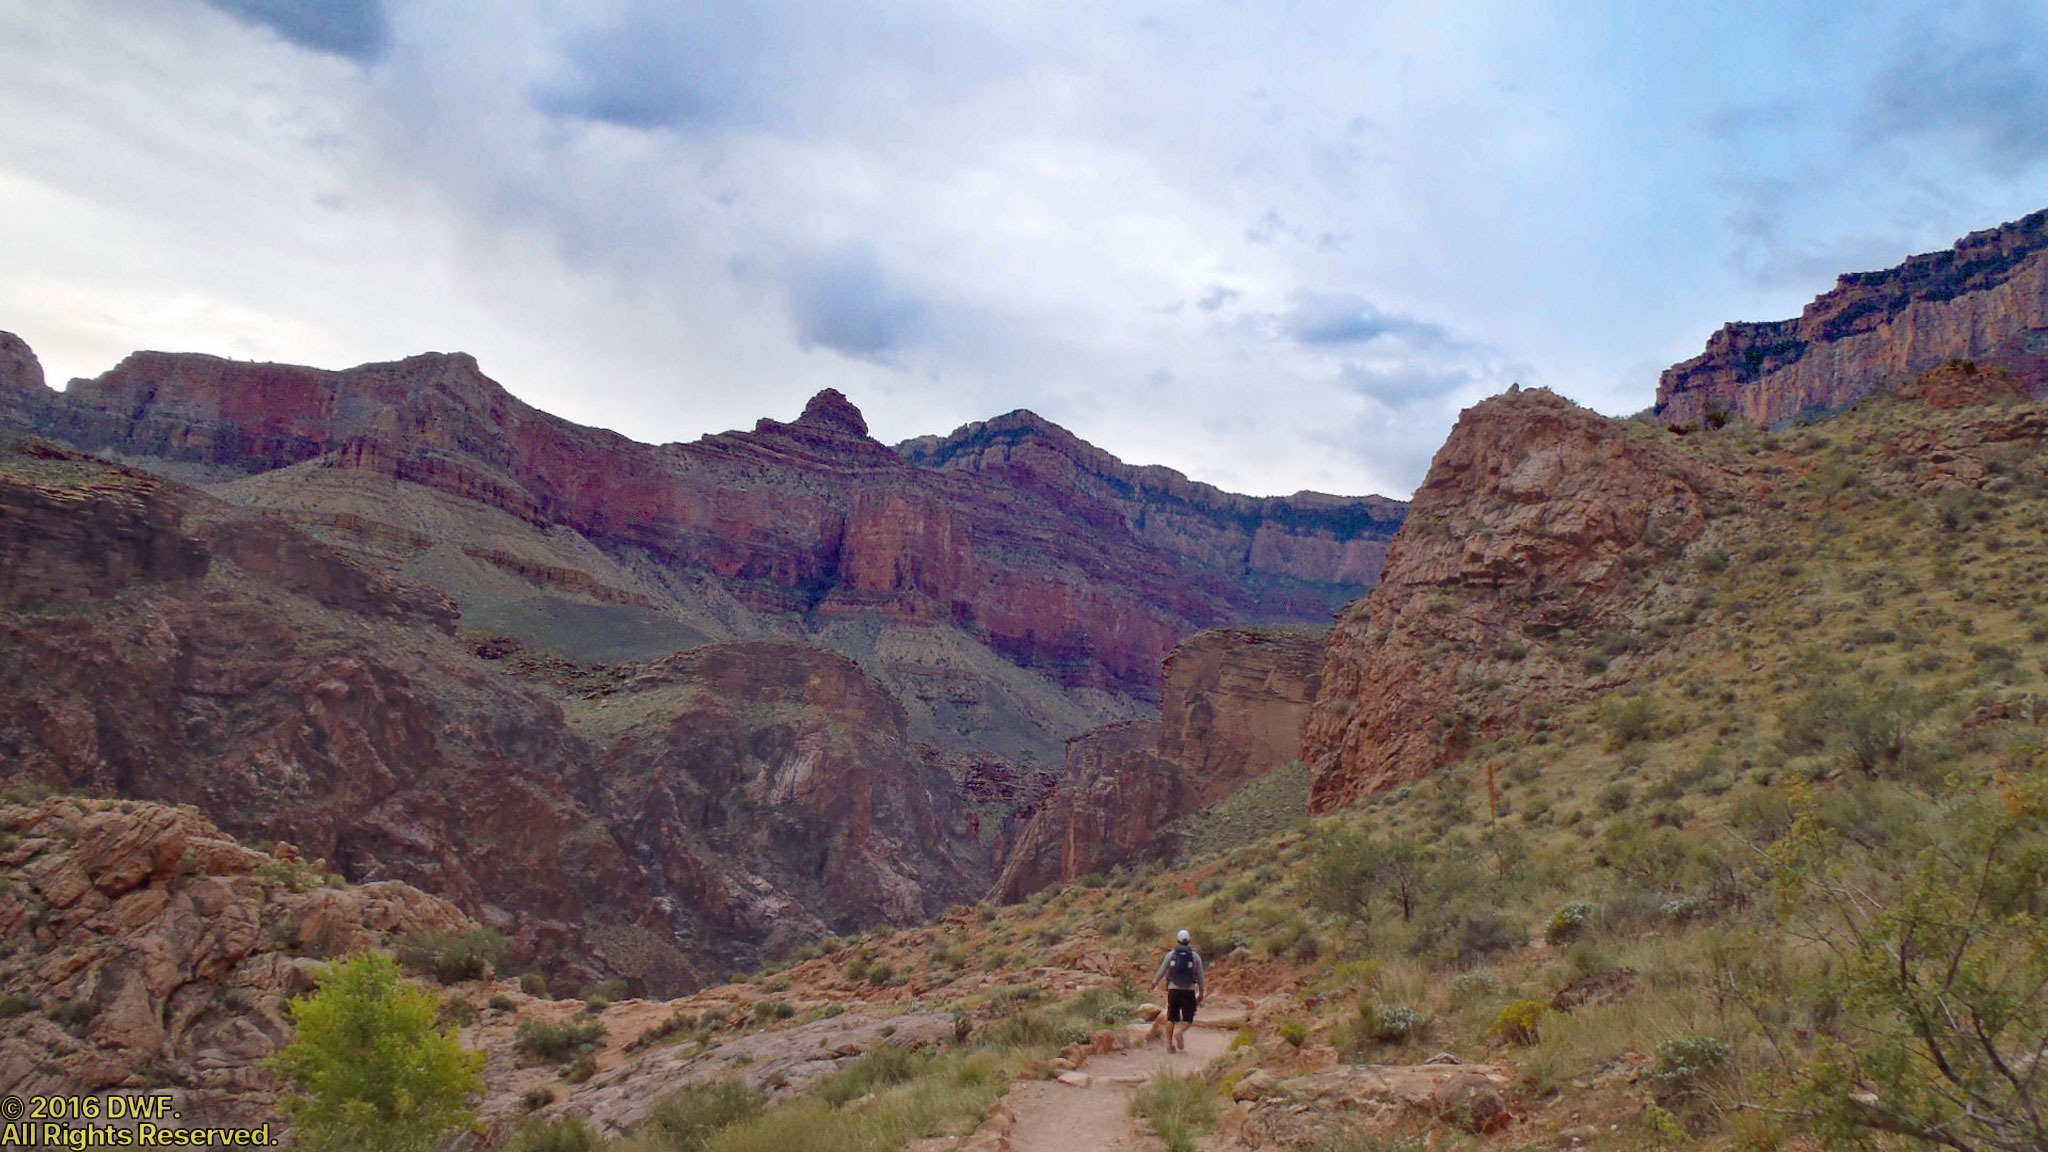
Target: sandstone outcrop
{"x": 148, "y": 951}
{"x": 1985, "y": 300}
{"x": 1537, "y": 521}
{"x": 1050, "y": 552}
{"x": 1235, "y": 705}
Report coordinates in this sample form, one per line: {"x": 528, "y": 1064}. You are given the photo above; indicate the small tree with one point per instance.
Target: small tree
{"x": 369, "y": 1069}
{"x": 1353, "y": 868}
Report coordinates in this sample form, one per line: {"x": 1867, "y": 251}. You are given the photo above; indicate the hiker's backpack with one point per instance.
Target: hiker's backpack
{"x": 1183, "y": 969}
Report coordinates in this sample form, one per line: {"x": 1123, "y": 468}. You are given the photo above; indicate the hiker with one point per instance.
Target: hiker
{"x": 1182, "y": 971}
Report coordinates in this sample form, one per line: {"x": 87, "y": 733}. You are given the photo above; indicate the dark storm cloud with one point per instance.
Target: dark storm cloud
{"x": 1320, "y": 318}
{"x": 844, "y": 301}
{"x": 1977, "y": 75}
{"x": 355, "y": 29}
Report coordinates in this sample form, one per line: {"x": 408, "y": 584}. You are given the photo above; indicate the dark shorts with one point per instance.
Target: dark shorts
{"x": 1180, "y": 1004}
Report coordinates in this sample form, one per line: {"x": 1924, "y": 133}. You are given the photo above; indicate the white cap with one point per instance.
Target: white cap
{"x": 1184, "y": 936}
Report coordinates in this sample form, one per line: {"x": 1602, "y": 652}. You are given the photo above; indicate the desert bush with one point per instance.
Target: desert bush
{"x": 451, "y": 957}
{"x": 555, "y": 1043}
{"x": 1569, "y": 922}
{"x": 534, "y": 984}
{"x": 1865, "y": 726}
{"x": 1687, "y": 1064}
{"x": 1294, "y": 1031}
{"x": 1629, "y": 720}
{"x": 1520, "y": 1023}
{"x": 1395, "y": 1023}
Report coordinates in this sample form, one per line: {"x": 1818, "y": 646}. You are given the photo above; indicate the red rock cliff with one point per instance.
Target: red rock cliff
{"x": 1986, "y": 299}
{"x": 1537, "y": 516}
{"x": 1050, "y": 552}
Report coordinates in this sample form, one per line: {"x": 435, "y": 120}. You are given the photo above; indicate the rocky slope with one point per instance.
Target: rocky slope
{"x": 1236, "y": 702}
{"x": 158, "y": 644}
{"x": 1984, "y": 300}
{"x": 1060, "y": 559}
{"x": 1538, "y": 521}
{"x": 148, "y": 951}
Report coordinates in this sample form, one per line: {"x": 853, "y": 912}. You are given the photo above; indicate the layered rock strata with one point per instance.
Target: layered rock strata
{"x": 1984, "y": 300}
{"x": 1051, "y": 553}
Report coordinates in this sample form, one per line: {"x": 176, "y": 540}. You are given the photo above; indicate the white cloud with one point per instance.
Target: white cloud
{"x": 673, "y": 220}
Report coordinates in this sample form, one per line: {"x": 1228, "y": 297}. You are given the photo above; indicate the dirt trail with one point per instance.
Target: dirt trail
{"x": 1055, "y": 1117}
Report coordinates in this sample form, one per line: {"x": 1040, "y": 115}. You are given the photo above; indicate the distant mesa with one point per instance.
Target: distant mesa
{"x": 1984, "y": 300}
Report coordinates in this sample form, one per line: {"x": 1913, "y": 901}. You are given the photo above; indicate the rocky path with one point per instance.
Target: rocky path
{"x": 1057, "y": 1117}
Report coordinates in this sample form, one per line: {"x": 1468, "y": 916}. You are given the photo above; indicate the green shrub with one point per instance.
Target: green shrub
{"x": 582, "y": 1068}
{"x": 499, "y": 1002}
{"x": 1589, "y": 959}
{"x": 554, "y": 1043}
{"x": 451, "y": 957}
{"x": 534, "y": 984}
{"x": 1181, "y": 1108}
{"x": 368, "y": 1069}
{"x": 1630, "y": 720}
{"x": 1294, "y": 1031}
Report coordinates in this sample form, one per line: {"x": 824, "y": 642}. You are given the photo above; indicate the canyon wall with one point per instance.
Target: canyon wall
{"x": 1986, "y": 299}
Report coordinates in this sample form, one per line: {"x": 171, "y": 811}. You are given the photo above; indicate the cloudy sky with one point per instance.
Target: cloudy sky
{"x": 1274, "y": 245}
